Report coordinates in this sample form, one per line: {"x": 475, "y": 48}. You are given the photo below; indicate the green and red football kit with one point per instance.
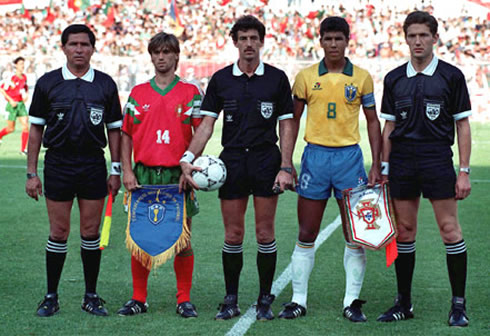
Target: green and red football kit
{"x": 160, "y": 123}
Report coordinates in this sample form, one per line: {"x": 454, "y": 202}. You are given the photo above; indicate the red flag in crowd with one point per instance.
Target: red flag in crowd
{"x": 110, "y": 13}
{"x": 76, "y": 5}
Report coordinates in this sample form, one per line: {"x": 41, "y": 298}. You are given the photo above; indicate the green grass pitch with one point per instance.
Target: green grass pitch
{"x": 24, "y": 226}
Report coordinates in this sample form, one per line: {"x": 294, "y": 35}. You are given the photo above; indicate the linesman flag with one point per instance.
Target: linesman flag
{"x": 157, "y": 226}
{"x": 106, "y": 227}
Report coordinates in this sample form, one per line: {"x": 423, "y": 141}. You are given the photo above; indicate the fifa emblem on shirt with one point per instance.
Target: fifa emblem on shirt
{"x": 156, "y": 213}
{"x": 350, "y": 92}
{"x": 432, "y": 111}
{"x": 317, "y": 87}
{"x": 369, "y": 213}
{"x": 266, "y": 109}
{"x": 96, "y": 115}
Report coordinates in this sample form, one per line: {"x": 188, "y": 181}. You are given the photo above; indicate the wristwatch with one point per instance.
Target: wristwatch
{"x": 466, "y": 170}
{"x": 31, "y": 175}
{"x": 287, "y": 170}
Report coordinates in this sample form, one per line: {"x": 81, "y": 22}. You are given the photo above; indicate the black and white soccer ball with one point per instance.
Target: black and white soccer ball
{"x": 213, "y": 173}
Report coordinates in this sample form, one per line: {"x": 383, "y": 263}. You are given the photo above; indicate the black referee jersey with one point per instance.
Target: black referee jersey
{"x": 425, "y": 105}
{"x": 252, "y": 105}
{"x": 75, "y": 110}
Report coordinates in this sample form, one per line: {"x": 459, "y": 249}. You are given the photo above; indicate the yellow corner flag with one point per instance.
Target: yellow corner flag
{"x": 106, "y": 227}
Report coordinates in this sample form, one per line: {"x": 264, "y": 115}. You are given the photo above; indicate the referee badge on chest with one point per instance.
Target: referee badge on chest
{"x": 267, "y": 109}
{"x": 96, "y": 115}
{"x": 432, "y": 111}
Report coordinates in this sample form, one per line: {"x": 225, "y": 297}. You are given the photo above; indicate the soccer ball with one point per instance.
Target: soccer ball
{"x": 213, "y": 173}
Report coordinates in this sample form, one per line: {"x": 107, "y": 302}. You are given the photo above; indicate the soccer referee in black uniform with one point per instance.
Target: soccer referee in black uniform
{"x": 423, "y": 100}
{"x": 73, "y": 106}
{"x": 253, "y": 97}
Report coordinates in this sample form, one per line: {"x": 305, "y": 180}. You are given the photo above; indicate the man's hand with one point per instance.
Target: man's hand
{"x": 34, "y": 187}
{"x": 375, "y": 176}
{"x": 463, "y": 186}
{"x": 285, "y": 181}
{"x": 114, "y": 184}
{"x": 129, "y": 180}
{"x": 186, "y": 181}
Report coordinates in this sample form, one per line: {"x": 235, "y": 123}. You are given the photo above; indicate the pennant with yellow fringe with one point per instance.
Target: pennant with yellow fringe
{"x": 157, "y": 226}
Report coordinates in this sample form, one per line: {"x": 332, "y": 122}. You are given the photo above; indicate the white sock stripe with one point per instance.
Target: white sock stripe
{"x": 56, "y": 247}
{"x": 56, "y": 250}
{"x": 267, "y": 248}
{"x": 305, "y": 245}
{"x": 227, "y": 248}
{"x": 90, "y": 244}
{"x": 456, "y": 245}
{"x": 50, "y": 242}
{"x": 456, "y": 248}
{"x": 405, "y": 247}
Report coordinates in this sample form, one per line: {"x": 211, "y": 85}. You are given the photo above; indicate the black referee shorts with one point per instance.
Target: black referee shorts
{"x": 425, "y": 169}
{"x": 69, "y": 175}
{"x": 250, "y": 171}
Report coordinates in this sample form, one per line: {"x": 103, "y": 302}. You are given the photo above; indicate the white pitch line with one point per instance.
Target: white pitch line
{"x": 13, "y": 166}
{"x": 247, "y": 319}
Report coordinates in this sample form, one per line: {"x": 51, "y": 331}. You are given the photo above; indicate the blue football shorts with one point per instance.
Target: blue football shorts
{"x": 326, "y": 168}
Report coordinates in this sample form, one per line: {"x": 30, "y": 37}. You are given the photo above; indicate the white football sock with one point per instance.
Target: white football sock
{"x": 355, "y": 267}
{"x": 302, "y": 262}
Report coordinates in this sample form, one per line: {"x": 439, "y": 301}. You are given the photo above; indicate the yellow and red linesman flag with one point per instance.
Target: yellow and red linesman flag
{"x": 106, "y": 227}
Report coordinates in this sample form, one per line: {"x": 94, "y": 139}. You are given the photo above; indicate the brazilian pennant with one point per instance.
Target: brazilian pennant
{"x": 157, "y": 227}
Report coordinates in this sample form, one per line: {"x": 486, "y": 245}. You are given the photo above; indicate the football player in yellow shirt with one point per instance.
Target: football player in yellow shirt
{"x": 333, "y": 91}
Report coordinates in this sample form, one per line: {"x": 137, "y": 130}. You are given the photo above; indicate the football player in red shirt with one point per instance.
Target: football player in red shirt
{"x": 15, "y": 92}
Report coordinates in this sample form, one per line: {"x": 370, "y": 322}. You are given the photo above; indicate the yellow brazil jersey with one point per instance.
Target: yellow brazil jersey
{"x": 333, "y": 101}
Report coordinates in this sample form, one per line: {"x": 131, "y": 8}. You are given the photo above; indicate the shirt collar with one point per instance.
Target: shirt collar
{"x": 259, "y": 71}
{"x": 428, "y": 71}
{"x": 88, "y": 77}
{"x": 348, "y": 68}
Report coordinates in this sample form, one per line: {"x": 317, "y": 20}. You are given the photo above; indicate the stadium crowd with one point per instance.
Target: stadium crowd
{"x": 123, "y": 28}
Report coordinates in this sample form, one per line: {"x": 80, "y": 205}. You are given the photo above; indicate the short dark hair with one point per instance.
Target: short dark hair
{"x": 335, "y": 24}
{"x": 245, "y": 23}
{"x": 18, "y": 59}
{"x": 422, "y": 18}
{"x": 163, "y": 40}
{"x": 76, "y": 29}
